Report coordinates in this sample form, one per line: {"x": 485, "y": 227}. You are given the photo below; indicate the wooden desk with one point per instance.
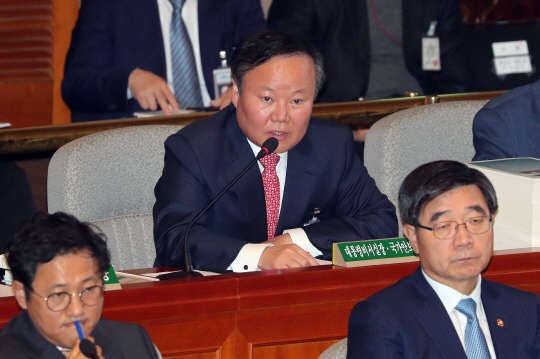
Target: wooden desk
{"x": 50, "y": 138}
{"x": 294, "y": 313}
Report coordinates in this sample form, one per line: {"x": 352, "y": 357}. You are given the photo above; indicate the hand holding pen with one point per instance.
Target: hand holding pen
{"x": 85, "y": 347}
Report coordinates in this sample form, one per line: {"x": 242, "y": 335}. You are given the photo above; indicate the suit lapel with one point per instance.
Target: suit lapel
{"x": 495, "y": 310}
{"x": 434, "y": 318}
{"x": 249, "y": 189}
{"x": 299, "y": 185}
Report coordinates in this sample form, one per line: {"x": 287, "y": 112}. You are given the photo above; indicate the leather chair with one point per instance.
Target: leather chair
{"x": 108, "y": 179}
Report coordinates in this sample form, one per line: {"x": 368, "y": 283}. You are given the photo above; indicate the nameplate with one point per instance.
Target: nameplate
{"x": 110, "y": 280}
{"x": 373, "y": 252}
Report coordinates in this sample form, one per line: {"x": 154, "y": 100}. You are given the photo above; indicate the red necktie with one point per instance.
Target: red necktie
{"x": 271, "y": 191}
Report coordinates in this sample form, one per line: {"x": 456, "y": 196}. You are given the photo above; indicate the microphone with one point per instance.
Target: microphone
{"x": 268, "y": 147}
{"x": 88, "y": 349}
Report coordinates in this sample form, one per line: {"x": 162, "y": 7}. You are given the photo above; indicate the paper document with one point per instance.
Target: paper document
{"x": 6, "y": 291}
{"x": 5, "y": 124}
{"x": 160, "y": 113}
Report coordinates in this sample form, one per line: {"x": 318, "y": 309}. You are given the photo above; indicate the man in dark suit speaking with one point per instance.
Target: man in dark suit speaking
{"x": 58, "y": 264}
{"x": 313, "y": 192}
{"x": 446, "y": 309}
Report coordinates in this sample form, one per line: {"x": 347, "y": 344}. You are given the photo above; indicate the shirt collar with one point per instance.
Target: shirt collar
{"x": 451, "y": 297}
{"x": 256, "y": 149}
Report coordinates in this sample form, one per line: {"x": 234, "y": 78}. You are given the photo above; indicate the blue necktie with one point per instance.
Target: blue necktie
{"x": 475, "y": 341}
{"x": 184, "y": 70}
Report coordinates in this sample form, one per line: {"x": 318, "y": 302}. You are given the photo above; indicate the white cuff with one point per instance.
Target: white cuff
{"x": 300, "y": 238}
{"x": 248, "y": 257}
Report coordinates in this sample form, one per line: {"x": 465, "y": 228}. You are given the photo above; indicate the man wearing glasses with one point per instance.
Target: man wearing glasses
{"x": 58, "y": 265}
{"x": 446, "y": 309}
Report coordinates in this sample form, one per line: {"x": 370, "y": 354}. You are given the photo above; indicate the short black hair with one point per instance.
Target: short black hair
{"x": 46, "y": 236}
{"x": 265, "y": 45}
{"x": 432, "y": 179}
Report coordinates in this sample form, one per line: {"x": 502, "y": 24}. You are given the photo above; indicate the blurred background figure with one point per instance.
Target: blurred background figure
{"x": 373, "y": 48}
{"x": 16, "y": 201}
{"x": 130, "y": 56}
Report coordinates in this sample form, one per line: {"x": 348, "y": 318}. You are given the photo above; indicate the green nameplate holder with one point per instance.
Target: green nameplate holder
{"x": 110, "y": 280}
{"x": 373, "y": 252}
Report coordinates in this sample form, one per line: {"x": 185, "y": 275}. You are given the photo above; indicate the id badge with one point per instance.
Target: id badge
{"x": 431, "y": 54}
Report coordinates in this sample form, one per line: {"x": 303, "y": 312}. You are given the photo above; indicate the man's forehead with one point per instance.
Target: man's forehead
{"x": 81, "y": 265}
{"x": 479, "y": 199}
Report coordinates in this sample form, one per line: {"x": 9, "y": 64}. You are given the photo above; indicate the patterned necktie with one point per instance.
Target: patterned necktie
{"x": 271, "y": 191}
{"x": 184, "y": 70}
{"x": 475, "y": 341}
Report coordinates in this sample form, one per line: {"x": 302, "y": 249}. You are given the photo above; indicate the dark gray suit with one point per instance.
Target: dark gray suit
{"x": 408, "y": 320}
{"x": 19, "y": 339}
{"x": 509, "y": 126}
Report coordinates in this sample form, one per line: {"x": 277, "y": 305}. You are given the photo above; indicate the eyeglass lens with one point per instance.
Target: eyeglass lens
{"x": 89, "y": 296}
{"x": 475, "y": 225}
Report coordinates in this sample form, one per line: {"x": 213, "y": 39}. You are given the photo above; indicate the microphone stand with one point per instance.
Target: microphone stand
{"x": 268, "y": 147}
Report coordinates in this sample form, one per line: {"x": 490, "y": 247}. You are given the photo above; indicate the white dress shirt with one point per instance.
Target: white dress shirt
{"x": 248, "y": 257}
{"x": 191, "y": 20}
{"x": 451, "y": 297}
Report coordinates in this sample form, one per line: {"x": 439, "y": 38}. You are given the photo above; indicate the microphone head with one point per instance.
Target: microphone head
{"x": 88, "y": 348}
{"x": 270, "y": 145}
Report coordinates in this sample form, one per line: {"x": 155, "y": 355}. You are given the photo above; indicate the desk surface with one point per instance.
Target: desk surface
{"x": 50, "y": 138}
{"x": 294, "y": 313}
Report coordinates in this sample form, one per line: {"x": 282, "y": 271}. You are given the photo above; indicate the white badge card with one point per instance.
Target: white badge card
{"x": 511, "y": 57}
{"x": 222, "y": 81}
{"x": 431, "y": 54}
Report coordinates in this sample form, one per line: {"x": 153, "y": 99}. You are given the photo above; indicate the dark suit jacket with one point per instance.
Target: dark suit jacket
{"x": 16, "y": 201}
{"x": 509, "y": 126}
{"x": 19, "y": 339}
{"x": 339, "y": 30}
{"x": 322, "y": 171}
{"x": 408, "y": 320}
{"x": 114, "y": 37}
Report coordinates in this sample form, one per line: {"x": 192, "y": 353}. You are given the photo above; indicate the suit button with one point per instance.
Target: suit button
{"x": 245, "y": 267}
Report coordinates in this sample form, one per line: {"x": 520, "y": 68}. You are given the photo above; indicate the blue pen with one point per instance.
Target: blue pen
{"x": 79, "y": 329}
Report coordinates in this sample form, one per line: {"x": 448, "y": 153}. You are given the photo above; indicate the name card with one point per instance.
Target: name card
{"x": 373, "y": 252}
{"x": 110, "y": 280}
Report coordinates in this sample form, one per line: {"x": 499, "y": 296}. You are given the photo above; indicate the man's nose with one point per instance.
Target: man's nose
{"x": 280, "y": 112}
{"x": 463, "y": 237}
{"x": 75, "y": 307}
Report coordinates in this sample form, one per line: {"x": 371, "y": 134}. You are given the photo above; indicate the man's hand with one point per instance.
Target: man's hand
{"x": 76, "y": 351}
{"x": 285, "y": 256}
{"x": 151, "y": 91}
{"x": 224, "y": 100}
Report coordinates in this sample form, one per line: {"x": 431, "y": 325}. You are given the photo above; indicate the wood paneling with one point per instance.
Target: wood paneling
{"x": 65, "y": 15}
{"x": 26, "y": 48}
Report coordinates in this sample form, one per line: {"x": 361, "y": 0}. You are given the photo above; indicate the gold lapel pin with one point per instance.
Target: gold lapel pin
{"x": 500, "y": 323}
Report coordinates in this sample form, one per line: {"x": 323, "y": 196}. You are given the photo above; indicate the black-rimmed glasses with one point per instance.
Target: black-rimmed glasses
{"x": 59, "y": 301}
{"x": 448, "y": 229}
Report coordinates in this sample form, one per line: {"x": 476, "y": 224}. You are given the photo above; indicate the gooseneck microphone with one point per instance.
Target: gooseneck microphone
{"x": 88, "y": 349}
{"x": 268, "y": 147}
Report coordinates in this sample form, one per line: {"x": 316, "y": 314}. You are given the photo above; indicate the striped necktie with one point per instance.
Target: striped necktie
{"x": 184, "y": 70}
{"x": 475, "y": 341}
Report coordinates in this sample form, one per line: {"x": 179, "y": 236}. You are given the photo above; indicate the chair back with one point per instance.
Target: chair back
{"x": 336, "y": 351}
{"x": 108, "y": 179}
{"x": 402, "y": 141}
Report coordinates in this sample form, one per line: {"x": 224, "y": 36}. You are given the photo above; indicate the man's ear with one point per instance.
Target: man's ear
{"x": 235, "y": 94}
{"x": 410, "y": 232}
{"x": 19, "y": 293}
